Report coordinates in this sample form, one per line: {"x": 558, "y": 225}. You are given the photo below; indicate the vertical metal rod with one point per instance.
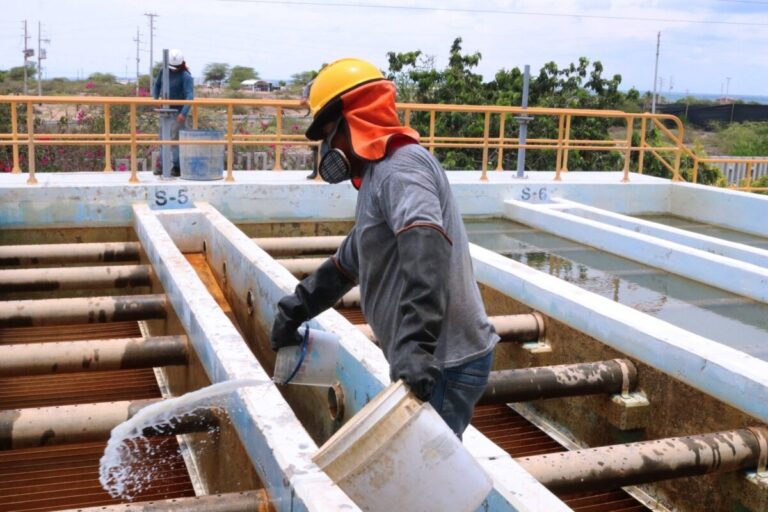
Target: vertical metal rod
{"x": 432, "y": 131}
{"x": 695, "y": 177}
{"x": 486, "y": 130}
{"x": 15, "y": 127}
{"x": 107, "y": 145}
{"x": 749, "y": 173}
{"x": 523, "y": 119}
{"x": 195, "y": 117}
{"x": 566, "y": 141}
{"x": 641, "y": 158}
{"x": 407, "y": 117}
{"x": 502, "y": 120}
{"x": 278, "y": 130}
{"x": 628, "y": 151}
{"x": 165, "y": 118}
{"x": 31, "y": 143}
{"x": 559, "y": 157}
{"x": 230, "y": 147}
{"x": 134, "y": 162}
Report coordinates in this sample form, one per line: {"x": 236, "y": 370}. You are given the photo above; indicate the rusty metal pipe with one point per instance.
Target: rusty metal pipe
{"x": 93, "y": 355}
{"x": 27, "y": 313}
{"x": 246, "y": 501}
{"x": 511, "y": 328}
{"x": 74, "y": 278}
{"x": 298, "y": 246}
{"x": 24, "y": 255}
{"x": 527, "y": 384}
{"x": 609, "y": 467}
{"x": 42, "y": 426}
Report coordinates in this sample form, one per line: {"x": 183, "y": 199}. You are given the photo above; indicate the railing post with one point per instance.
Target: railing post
{"x": 278, "y": 133}
{"x": 486, "y": 130}
{"x": 695, "y": 174}
{"x": 107, "y": 145}
{"x": 501, "y": 142}
{"x": 134, "y": 161}
{"x": 15, "y": 137}
{"x": 628, "y": 150}
{"x": 195, "y": 117}
{"x": 432, "y": 131}
{"x": 641, "y": 156}
{"x": 559, "y": 157}
{"x": 31, "y": 144}
{"x": 407, "y": 118}
{"x": 566, "y": 139}
{"x": 230, "y": 145}
{"x": 749, "y": 173}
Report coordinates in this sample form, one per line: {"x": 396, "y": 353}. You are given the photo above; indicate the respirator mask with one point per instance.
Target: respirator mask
{"x": 334, "y": 164}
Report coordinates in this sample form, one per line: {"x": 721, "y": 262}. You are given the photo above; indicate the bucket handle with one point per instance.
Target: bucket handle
{"x": 303, "y": 354}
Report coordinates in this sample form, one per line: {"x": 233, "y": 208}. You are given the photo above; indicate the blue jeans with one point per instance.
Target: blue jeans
{"x": 458, "y": 391}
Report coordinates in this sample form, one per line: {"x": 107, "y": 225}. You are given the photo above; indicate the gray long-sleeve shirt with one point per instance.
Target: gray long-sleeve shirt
{"x": 410, "y": 187}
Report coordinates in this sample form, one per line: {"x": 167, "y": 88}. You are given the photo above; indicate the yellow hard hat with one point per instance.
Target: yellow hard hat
{"x": 333, "y": 80}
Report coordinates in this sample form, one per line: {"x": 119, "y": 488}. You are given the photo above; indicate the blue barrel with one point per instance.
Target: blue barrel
{"x": 201, "y": 162}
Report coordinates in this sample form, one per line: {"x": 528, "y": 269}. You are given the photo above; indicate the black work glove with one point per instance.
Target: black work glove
{"x": 424, "y": 252}
{"x": 418, "y": 369}
{"x": 313, "y": 295}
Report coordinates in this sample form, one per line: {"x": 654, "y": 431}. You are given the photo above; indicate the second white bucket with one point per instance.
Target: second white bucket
{"x": 313, "y": 364}
{"x": 398, "y": 454}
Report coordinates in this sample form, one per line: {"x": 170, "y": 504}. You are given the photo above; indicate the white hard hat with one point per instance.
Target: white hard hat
{"x": 175, "y": 57}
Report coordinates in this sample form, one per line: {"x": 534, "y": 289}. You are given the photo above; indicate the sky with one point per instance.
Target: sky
{"x": 707, "y": 46}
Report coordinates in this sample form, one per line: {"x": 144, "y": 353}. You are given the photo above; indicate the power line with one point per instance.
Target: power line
{"x": 495, "y": 11}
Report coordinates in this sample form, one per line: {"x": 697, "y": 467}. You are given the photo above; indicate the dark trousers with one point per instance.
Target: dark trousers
{"x": 459, "y": 390}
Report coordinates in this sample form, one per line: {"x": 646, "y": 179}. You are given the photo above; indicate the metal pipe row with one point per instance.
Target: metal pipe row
{"x": 27, "y": 313}
{"x": 44, "y": 254}
{"x": 74, "y": 278}
{"x": 246, "y": 501}
{"x": 298, "y": 246}
{"x": 93, "y": 355}
{"x": 609, "y": 467}
{"x": 510, "y": 328}
{"x": 566, "y": 380}
{"x": 43, "y": 426}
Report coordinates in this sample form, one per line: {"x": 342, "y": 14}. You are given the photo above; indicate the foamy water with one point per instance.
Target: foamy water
{"x": 119, "y": 473}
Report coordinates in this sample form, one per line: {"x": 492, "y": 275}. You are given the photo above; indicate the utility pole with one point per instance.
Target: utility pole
{"x": 151, "y": 17}
{"x": 727, "y": 86}
{"x": 28, "y": 52}
{"x": 656, "y": 73}
{"x": 40, "y": 56}
{"x": 138, "y": 59}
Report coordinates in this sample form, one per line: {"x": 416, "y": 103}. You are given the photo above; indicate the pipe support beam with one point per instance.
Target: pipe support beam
{"x": 523, "y": 385}
{"x": 609, "y": 467}
{"x": 74, "y": 278}
{"x": 28, "y": 313}
{"x": 92, "y": 355}
{"x": 46, "y": 254}
{"x": 43, "y": 426}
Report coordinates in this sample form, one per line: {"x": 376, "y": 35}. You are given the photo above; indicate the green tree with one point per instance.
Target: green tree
{"x": 239, "y": 74}
{"x": 216, "y": 72}
{"x": 17, "y": 73}
{"x": 104, "y": 78}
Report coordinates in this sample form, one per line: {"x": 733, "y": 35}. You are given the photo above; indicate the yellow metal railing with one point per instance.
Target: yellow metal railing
{"x": 669, "y": 154}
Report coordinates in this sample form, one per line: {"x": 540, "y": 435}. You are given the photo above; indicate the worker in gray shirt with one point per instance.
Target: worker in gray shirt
{"x": 408, "y": 250}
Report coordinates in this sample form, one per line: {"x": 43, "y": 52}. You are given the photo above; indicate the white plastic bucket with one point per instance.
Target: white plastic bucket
{"x": 313, "y": 364}
{"x": 397, "y": 454}
{"x": 201, "y": 162}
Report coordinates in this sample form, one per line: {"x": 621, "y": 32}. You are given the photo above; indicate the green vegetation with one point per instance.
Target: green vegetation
{"x": 744, "y": 139}
{"x": 239, "y": 74}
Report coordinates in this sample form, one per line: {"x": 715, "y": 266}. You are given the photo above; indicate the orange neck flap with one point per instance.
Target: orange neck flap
{"x": 372, "y": 119}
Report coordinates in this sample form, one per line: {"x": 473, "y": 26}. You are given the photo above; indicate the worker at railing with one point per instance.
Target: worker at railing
{"x": 408, "y": 249}
{"x": 180, "y": 87}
